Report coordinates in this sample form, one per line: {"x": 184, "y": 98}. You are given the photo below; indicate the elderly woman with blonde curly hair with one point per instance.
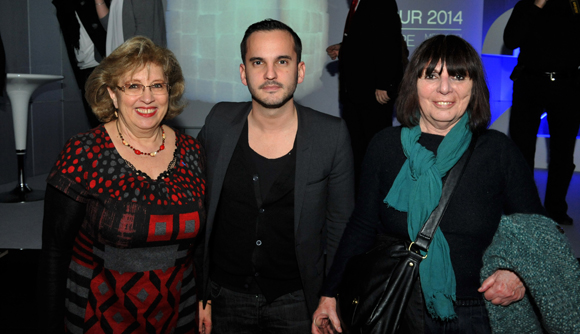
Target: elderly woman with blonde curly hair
{"x": 124, "y": 204}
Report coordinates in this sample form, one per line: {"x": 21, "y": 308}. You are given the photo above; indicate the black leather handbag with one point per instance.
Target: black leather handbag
{"x": 376, "y": 285}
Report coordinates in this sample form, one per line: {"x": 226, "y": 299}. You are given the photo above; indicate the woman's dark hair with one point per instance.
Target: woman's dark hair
{"x": 270, "y": 25}
{"x": 460, "y": 59}
{"x": 130, "y": 57}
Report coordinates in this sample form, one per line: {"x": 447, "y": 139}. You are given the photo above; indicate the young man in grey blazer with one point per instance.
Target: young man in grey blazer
{"x": 279, "y": 194}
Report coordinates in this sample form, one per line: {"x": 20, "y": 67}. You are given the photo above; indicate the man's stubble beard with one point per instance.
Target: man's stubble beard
{"x": 282, "y": 102}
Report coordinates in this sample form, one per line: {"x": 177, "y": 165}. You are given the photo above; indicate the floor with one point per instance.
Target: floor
{"x": 18, "y": 292}
{"x": 20, "y": 241}
{"x": 573, "y": 199}
{"x": 19, "y": 256}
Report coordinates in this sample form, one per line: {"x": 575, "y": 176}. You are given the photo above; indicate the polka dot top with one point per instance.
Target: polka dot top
{"x": 131, "y": 269}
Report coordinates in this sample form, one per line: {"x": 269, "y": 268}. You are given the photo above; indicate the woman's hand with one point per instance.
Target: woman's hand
{"x": 503, "y": 288}
{"x": 204, "y": 317}
{"x": 325, "y": 319}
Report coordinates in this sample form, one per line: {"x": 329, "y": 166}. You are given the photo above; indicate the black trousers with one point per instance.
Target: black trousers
{"x": 532, "y": 95}
{"x": 471, "y": 318}
{"x": 243, "y": 313}
{"x": 364, "y": 117}
{"x": 93, "y": 120}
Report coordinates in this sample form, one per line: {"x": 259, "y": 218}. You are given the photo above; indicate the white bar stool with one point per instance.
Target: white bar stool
{"x": 19, "y": 88}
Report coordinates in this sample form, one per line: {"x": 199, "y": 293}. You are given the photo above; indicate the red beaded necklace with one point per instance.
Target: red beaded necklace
{"x": 152, "y": 154}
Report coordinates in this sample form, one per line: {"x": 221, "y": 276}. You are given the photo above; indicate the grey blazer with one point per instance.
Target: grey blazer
{"x": 143, "y": 18}
{"x": 323, "y": 193}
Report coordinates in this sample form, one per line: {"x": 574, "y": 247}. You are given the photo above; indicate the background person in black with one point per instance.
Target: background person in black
{"x": 371, "y": 68}
{"x": 92, "y": 50}
{"x": 546, "y": 79}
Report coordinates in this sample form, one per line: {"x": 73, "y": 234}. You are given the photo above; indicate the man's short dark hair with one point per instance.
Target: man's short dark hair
{"x": 461, "y": 59}
{"x": 270, "y": 25}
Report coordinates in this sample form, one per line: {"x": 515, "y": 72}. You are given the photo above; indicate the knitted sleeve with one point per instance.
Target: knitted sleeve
{"x": 533, "y": 247}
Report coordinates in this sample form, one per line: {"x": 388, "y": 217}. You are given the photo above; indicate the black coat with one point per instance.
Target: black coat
{"x": 371, "y": 55}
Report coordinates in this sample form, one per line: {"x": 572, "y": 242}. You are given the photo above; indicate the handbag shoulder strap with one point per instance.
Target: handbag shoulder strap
{"x": 428, "y": 230}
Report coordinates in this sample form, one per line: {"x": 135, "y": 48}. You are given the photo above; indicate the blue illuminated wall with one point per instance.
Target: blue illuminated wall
{"x": 205, "y": 36}
{"x": 492, "y": 9}
{"x": 424, "y": 18}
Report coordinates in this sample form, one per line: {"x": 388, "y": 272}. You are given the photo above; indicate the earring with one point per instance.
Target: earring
{"x": 116, "y": 115}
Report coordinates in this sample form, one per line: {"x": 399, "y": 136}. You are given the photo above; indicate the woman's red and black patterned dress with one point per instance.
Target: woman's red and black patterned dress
{"x": 132, "y": 264}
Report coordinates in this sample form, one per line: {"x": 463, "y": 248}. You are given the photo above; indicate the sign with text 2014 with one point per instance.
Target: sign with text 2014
{"x": 424, "y": 18}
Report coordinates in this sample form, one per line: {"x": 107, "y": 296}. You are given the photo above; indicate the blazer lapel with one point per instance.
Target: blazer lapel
{"x": 303, "y": 156}
{"x": 231, "y": 135}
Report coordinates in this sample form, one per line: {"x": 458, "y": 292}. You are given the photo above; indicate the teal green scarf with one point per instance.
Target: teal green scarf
{"x": 417, "y": 190}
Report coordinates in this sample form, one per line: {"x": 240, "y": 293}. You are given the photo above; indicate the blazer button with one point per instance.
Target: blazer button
{"x": 82, "y": 3}
{"x": 261, "y": 210}
{"x": 255, "y": 178}
{"x": 94, "y": 25}
{"x": 259, "y": 242}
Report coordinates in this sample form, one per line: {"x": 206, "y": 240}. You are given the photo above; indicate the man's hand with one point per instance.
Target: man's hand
{"x": 204, "y": 317}
{"x": 503, "y": 288}
{"x": 325, "y": 319}
{"x": 333, "y": 51}
{"x": 382, "y": 96}
{"x": 540, "y": 3}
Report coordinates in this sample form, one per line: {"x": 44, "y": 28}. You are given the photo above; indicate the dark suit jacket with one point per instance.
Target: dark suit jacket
{"x": 324, "y": 186}
{"x": 370, "y": 56}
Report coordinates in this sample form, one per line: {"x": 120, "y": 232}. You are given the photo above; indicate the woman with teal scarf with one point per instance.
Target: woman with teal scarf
{"x": 443, "y": 105}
